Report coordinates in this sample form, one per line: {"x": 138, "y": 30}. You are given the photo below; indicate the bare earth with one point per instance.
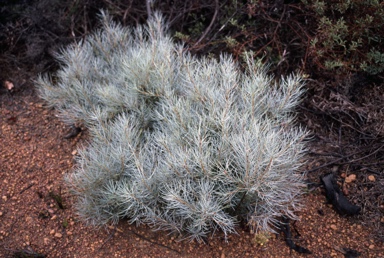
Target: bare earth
{"x": 34, "y": 157}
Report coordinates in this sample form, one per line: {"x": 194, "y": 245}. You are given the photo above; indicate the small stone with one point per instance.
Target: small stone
{"x": 8, "y": 85}
{"x": 58, "y": 235}
{"x": 5, "y": 198}
{"x": 350, "y": 178}
{"x": 46, "y": 241}
{"x": 53, "y": 217}
{"x": 74, "y": 152}
{"x": 1, "y": 213}
{"x": 52, "y": 232}
{"x": 51, "y": 211}
{"x": 333, "y": 226}
{"x": 371, "y": 178}
{"x": 371, "y": 247}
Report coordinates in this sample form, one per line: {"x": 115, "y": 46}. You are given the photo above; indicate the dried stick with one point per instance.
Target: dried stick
{"x": 152, "y": 242}
{"x": 149, "y": 11}
{"x": 344, "y": 157}
{"x": 210, "y": 25}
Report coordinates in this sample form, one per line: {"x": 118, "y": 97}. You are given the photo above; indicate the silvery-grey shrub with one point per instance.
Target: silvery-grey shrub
{"x": 184, "y": 144}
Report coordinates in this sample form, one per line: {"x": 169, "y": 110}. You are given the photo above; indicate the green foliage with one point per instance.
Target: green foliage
{"x": 349, "y": 37}
{"x": 273, "y": 32}
{"x": 58, "y": 199}
{"x": 181, "y": 143}
{"x": 65, "y": 223}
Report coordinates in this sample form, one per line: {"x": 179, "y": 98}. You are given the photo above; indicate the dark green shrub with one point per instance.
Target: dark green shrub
{"x": 350, "y": 35}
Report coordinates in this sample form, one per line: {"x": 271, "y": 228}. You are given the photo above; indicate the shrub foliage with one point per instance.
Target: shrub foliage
{"x": 180, "y": 143}
{"x": 349, "y": 35}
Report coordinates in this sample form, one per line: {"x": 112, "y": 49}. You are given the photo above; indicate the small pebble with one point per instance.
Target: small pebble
{"x": 52, "y": 232}
{"x": 372, "y": 178}
{"x": 350, "y": 178}
{"x": 333, "y": 226}
{"x": 58, "y": 235}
